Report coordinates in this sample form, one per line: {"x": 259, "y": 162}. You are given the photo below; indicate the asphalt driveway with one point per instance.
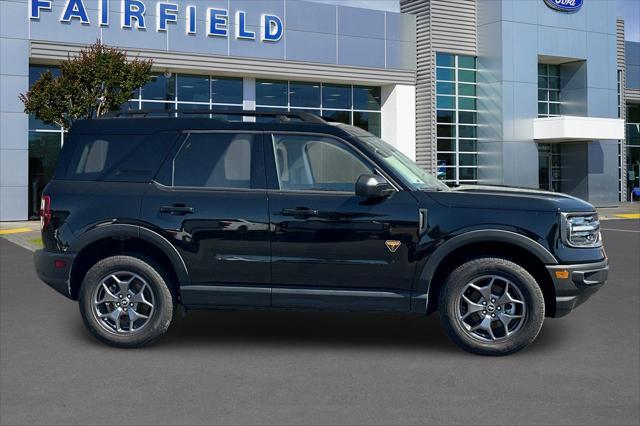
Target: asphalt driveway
{"x": 293, "y": 368}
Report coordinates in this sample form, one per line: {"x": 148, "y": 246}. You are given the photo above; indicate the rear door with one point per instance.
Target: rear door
{"x": 210, "y": 202}
{"x": 330, "y": 248}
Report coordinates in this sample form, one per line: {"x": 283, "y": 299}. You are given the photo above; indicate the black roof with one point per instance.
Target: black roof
{"x": 141, "y": 122}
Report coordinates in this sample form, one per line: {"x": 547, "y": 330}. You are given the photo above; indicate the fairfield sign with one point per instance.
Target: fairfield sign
{"x": 133, "y": 14}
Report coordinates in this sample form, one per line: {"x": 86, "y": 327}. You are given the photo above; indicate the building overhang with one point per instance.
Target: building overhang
{"x": 568, "y": 128}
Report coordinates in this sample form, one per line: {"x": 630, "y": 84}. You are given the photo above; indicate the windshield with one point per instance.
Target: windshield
{"x": 411, "y": 173}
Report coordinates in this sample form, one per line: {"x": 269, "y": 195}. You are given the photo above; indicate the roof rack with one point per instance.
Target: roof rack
{"x": 282, "y": 117}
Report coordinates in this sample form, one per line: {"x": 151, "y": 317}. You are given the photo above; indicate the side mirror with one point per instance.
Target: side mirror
{"x": 373, "y": 186}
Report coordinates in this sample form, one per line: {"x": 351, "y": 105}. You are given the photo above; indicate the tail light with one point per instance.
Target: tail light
{"x": 45, "y": 211}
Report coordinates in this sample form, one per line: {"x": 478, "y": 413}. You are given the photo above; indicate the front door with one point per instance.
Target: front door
{"x": 211, "y": 203}
{"x": 330, "y": 248}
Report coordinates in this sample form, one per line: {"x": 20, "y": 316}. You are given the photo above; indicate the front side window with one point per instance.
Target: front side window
{"x": 316, "y": 163}
{"x": 215, "y": 160}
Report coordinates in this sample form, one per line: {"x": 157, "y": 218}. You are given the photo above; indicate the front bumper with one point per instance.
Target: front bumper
{"x": 54, "y": 268}
{"x": 574, "y": 284}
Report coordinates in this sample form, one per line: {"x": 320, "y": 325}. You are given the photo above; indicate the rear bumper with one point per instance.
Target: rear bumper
{"x": 54, "y": 269}
{"x": 574, "y": 284}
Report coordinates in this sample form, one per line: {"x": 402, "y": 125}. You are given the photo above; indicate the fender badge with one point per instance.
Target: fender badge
{"x": 392, "y": 245}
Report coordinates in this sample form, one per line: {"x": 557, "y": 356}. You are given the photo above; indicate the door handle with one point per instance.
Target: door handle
{"x": 177, "y": 209}
{"x": 300, "y": 212}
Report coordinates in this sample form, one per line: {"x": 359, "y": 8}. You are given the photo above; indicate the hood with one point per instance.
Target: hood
{"x": 510, "y": 198}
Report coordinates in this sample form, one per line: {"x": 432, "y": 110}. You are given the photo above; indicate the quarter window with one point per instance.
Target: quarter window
{"x": 316, "y": 163}
{"x": 215, "y": 160}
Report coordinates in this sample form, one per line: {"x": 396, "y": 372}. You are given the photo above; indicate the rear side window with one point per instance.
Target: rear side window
{"x": 113, "y": 157}
{"x": 219, "y": 160}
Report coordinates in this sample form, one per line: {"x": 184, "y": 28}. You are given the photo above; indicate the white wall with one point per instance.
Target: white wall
{"x": 399, "y": 117}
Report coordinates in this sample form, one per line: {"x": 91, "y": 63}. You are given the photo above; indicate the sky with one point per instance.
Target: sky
{"x": 628, "y": 9}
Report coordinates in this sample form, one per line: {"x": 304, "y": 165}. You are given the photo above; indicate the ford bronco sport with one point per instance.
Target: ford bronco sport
{"x": 287, "y": 211}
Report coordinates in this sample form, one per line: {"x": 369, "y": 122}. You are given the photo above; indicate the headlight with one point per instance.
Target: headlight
{"x": 581, "y": 230}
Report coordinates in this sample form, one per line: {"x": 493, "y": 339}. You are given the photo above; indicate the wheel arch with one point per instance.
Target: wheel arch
{"x": 109, "y": 240}
{"x": 484, "y": 243}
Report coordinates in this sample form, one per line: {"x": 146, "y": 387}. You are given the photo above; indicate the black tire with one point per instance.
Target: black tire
{"x": 163, "y": 306}
{"x": 450, "y": 299}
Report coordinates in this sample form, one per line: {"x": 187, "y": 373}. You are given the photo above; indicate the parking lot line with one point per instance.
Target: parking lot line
{"x": 629, "y": 215}
{"x": 14, "y": 231}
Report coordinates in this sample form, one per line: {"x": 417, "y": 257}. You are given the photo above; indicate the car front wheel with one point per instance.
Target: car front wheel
{"x": 491, "y": 306}
{"x": 125, "y": 301}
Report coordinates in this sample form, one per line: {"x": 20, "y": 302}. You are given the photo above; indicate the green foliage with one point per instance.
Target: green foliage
{"x": 97, "y": 81}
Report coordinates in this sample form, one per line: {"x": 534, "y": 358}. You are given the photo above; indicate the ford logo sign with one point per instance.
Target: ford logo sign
{"x": 565, "y": 5}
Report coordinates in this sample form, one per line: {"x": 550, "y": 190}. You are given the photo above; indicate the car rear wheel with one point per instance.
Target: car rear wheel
{"x": 125, "y": 301}
{"x": 491, "y": 306}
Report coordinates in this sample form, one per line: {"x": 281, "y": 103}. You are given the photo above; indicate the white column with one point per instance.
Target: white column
{"x": 399, "y": 117}
{"x": 249, "y": 96}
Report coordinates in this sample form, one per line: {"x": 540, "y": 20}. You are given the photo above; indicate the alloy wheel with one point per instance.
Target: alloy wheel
{"x": 123, "y": 302}
{"x": 491, "y": 308}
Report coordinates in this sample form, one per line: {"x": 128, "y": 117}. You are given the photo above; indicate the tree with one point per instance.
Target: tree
{"x": 100, "y": 79}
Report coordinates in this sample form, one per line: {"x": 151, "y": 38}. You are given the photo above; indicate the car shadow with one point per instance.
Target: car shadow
{"x": 307, "y": 329}
{"x": 321, "y": 330}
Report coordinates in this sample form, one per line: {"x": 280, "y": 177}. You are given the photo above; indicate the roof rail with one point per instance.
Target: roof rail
{"x": 282, "y": 117}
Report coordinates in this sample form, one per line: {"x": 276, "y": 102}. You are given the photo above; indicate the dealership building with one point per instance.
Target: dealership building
{"x": 530, "y": 93}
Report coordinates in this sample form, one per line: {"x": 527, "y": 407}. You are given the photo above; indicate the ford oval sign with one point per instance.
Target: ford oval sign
{"x": 565, "y": 5}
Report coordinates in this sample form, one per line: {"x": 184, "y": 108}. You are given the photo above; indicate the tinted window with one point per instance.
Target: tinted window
{"x": 316, "y": 163}
{"x": 94, "y": 156}
{"x": 215, "y": 160}
{"x": 130, "y": 158}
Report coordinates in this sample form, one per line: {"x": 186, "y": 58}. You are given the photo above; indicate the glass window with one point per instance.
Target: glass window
{"x": 468, "y": 145}
{"x": 44, "y": 148}
{"x": 336, "y": 96}
{"x": 368, "y": 98}
{"x": 193, "y": 88}
{"x": 226, "y": 90}
{"x": 444, "y": 88}
{"x": 465, "y": 117}
{"x": 447, "y": 159}
{"x": 445, "y": 131}
{"x": 468, "y": 160}
{"x": 160, "y": 107}
{"x": 445, "y": 116}
{"x": 445, "y": 74}
{"x": 339, "y": 116}
{"x": 93, "y": 155}
{"x": 445, "y": 60}
{"x": 369, "y": 121}
{"x": 467, "y": 103}
{"x": 446, "y": 144}
{"x": 467, "y": 131}
{"x": 467, "y": 173}
{"x": 445, "y": 102}
{"x": 160, "y": 88}
{"x": 456, "y": 115}
{"x": 316, "y": 163}
{"x": 228, "y": 161}
{"x": 272, "y": 92}
{"x": 467, "y": 62}
{"x": 542, "y": 95}
{"x": 304, "y": 94}
{"x": 465, "y": 89}
{"x": 467, "y": 76}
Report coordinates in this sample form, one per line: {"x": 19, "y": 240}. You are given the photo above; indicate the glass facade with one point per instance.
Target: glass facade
{"x": 633, "y": 152}
{"x": 548, "y": 90}
{"x": 183, "y": 92}
{"x": 357, "y": 105}
{"x": 456, "y": 118}
{"x": 45, "y": 142}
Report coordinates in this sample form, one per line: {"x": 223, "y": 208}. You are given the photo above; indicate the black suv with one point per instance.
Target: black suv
{"x": 288, "y": 211}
